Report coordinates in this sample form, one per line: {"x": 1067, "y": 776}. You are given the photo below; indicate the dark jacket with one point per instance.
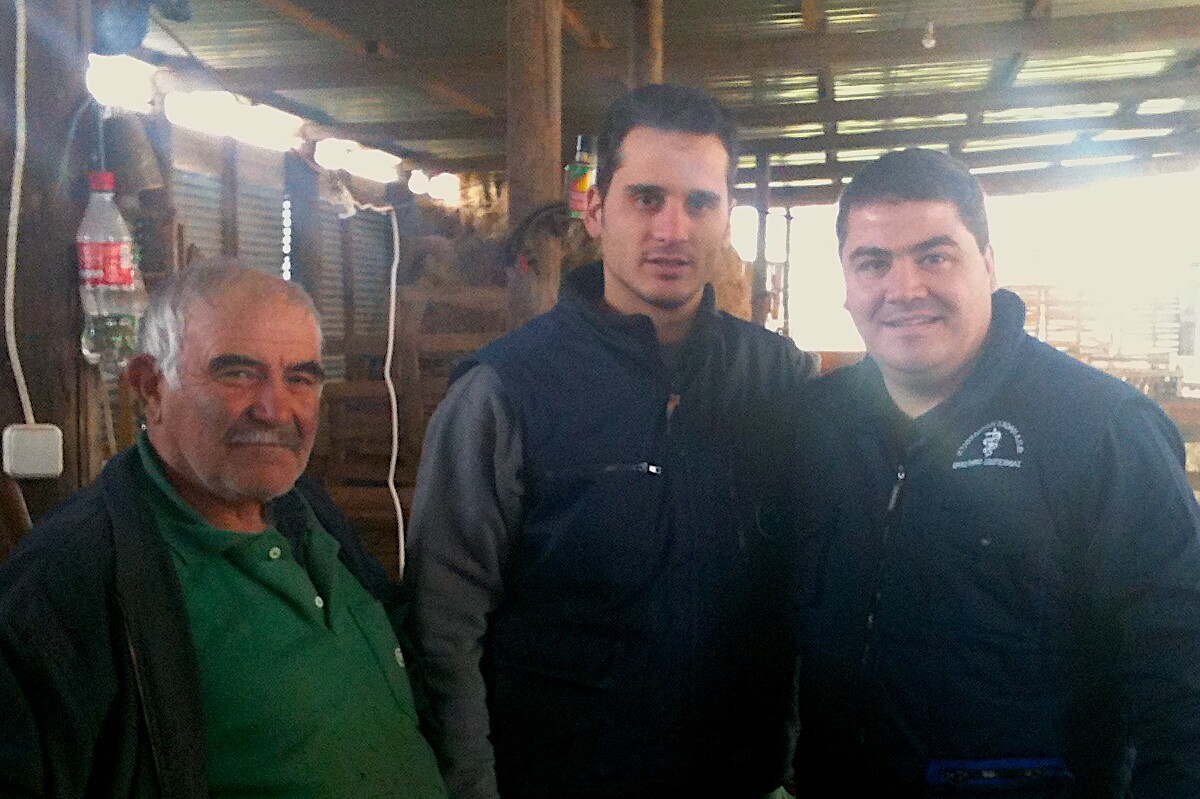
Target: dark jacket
{"x": 1002, "y": 593}
{"x": 99, "y": 683}
{"x": 635, "y": 636}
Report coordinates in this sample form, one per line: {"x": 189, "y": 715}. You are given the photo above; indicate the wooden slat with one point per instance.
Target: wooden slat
{"x": 589, "y": 39}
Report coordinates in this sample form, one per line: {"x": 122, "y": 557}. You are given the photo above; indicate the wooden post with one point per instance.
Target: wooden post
{"x": 229, "y": 192}
{"x": 646, "y": 43}
{"x": 759, "y": 295}
{"x": 533, "y": 142}
{"x": 47, "y": 296}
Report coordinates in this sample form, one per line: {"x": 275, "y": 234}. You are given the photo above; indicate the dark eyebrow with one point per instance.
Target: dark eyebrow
{"x": 873, "y": 252}
{"x": 312, "y": 368}
{"x": 228, "y": 360}
{"x": 643, "y": 188}
{"x": 704, "y": 196}
{"x": 922, "y": 246}
{"x": 933, "y": 244}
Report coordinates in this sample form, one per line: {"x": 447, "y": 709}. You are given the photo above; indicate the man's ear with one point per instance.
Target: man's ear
{"x": 147, "y": 381}
{"x": 989, "y": 263}
{"x": 593, "y": 217}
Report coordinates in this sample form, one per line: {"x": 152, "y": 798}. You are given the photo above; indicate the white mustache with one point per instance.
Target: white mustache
{"x": 265, "y": 437}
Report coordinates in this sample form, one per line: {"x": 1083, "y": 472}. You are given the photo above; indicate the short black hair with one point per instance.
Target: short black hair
{"x": 917, "y": 174}
{"x": 663, "y": 106}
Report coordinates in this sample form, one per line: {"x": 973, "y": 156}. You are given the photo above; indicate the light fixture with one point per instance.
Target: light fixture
{"x": 929, "y": 40}
{"x": 418, "y": 182}
{"x": 219, "y": 113}
{"x": 121, "y": 81}
{"x": 446, "y": 188}
{"x": 360, "y": 161}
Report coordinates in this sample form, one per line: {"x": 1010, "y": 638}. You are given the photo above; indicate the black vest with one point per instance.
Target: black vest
{"x": 640, "y": 644}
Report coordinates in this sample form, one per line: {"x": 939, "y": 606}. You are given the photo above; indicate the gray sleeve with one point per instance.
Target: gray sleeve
{"x": 466, "y": 508}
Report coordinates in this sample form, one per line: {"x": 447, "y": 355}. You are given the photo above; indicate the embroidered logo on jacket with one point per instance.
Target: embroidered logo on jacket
{"x": 997, "y": 443}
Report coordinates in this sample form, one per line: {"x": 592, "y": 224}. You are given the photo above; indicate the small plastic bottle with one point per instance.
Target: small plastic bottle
{"x": 110, "y": 286}
{"x": 580, "y": 174}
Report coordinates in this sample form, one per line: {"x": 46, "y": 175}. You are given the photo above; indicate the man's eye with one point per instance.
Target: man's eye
{"x": 304, "y": 379}
{"x": 647, "y": 200}
{"x": 934, "y": 259}
{"x": 236, "y": 374}
{"x": 874, "y": 266}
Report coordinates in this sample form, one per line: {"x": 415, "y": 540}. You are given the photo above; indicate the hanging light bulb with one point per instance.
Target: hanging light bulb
{"x": 929, "y": 40}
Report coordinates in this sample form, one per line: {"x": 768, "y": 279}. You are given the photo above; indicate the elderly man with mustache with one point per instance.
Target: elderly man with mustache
{"x": 202, "y": 621}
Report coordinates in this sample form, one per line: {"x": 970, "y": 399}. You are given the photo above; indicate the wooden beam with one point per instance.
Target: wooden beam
{"x": 1040, "y": 180}
{"x": 968, "y": 131}
{"x": 1037, "y": 9}
{"x": 533, "y": 141}
{"x": 813, "y": 16}
{"x": 646, "y": 43}
{"x": 1123, "y": 31}
{"x": 1184, "y": 84}
{"x": 320, "y": 27}
{"x": 1186, "y": 142}
{"x": 929, "y": 105}
{"x": 580, "y": 32}
{"x": 699, "y": 61}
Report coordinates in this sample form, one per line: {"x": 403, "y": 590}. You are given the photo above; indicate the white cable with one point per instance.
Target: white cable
{"x": 391, "y": 387}
{"x": 14, "y": 215}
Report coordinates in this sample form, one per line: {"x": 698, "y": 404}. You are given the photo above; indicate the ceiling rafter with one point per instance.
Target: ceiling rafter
{"x": 1097, "y": 33}
{"x": 1037, "y": 9}
{"x": 813, "y": 15}
{"x": 1184, "y": 142}
{"x": 971, "y": 131}
{"x": 378, "y": 49}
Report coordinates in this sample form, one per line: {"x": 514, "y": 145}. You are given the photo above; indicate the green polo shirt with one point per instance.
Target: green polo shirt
{"x": 304, "y": 687}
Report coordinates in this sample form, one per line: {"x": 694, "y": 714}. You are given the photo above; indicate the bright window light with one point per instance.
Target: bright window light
{"x": 418, "y": 182}
{"x": 1099, "y": 160}
{"x": 998, "y": 169}
{"x": 776, "y": 249}
{"x": 360, "y": 161}
{"x": 1162, "y": 105}
{"x": 446, "y": 188}
{"x": 1132, "y": 133}
{"x": 121, "y": 81}
{"x": 220, "y": 113}
{"x": 743, "y": 231}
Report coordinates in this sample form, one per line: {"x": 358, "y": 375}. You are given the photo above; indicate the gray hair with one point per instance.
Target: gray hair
{"x": 162, "y": 329}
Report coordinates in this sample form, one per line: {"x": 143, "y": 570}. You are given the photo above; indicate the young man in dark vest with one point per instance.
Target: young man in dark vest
{"x": 598, "y": 583}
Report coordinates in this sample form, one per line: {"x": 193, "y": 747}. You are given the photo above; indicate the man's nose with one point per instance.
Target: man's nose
{"x": 671, "y": 223}
{"x": 905, "y": 281}
{"x": 272, "y": 401}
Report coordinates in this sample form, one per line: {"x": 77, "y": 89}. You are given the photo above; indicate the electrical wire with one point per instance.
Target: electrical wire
{"x": 391, "y": 387}
{"x": 14, "y": 212}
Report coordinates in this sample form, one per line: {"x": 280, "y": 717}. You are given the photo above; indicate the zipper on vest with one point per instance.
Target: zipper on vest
{"x": 873, "y": 603}
{"x": 876, "y": 590}
{"x": 643, "y": 467}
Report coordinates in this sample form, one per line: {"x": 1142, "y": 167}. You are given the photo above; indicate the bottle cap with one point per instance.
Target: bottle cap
{"x": 583, "y": 144}
{"x": 102, "y": 181}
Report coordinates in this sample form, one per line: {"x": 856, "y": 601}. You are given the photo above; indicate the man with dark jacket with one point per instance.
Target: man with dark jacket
{"x": 598, "y": 582}
{"x": 1001, "y": 591}
{"x": 201, "y": 621}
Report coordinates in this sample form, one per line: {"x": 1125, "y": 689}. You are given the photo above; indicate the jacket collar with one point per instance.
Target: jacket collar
{"x": 1002, "y": 352}
{"x": 583, "y": 293}
{"x": 156, "y": 624}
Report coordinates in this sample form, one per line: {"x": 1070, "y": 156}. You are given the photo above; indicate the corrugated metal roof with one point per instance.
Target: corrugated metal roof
{"x": 854, "y": 80}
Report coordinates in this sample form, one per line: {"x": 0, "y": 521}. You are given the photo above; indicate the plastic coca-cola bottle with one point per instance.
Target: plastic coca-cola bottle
{"x": 113, "y": 294}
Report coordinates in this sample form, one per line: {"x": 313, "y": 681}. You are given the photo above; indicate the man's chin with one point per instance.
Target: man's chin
{"x": 258, "y": 488}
